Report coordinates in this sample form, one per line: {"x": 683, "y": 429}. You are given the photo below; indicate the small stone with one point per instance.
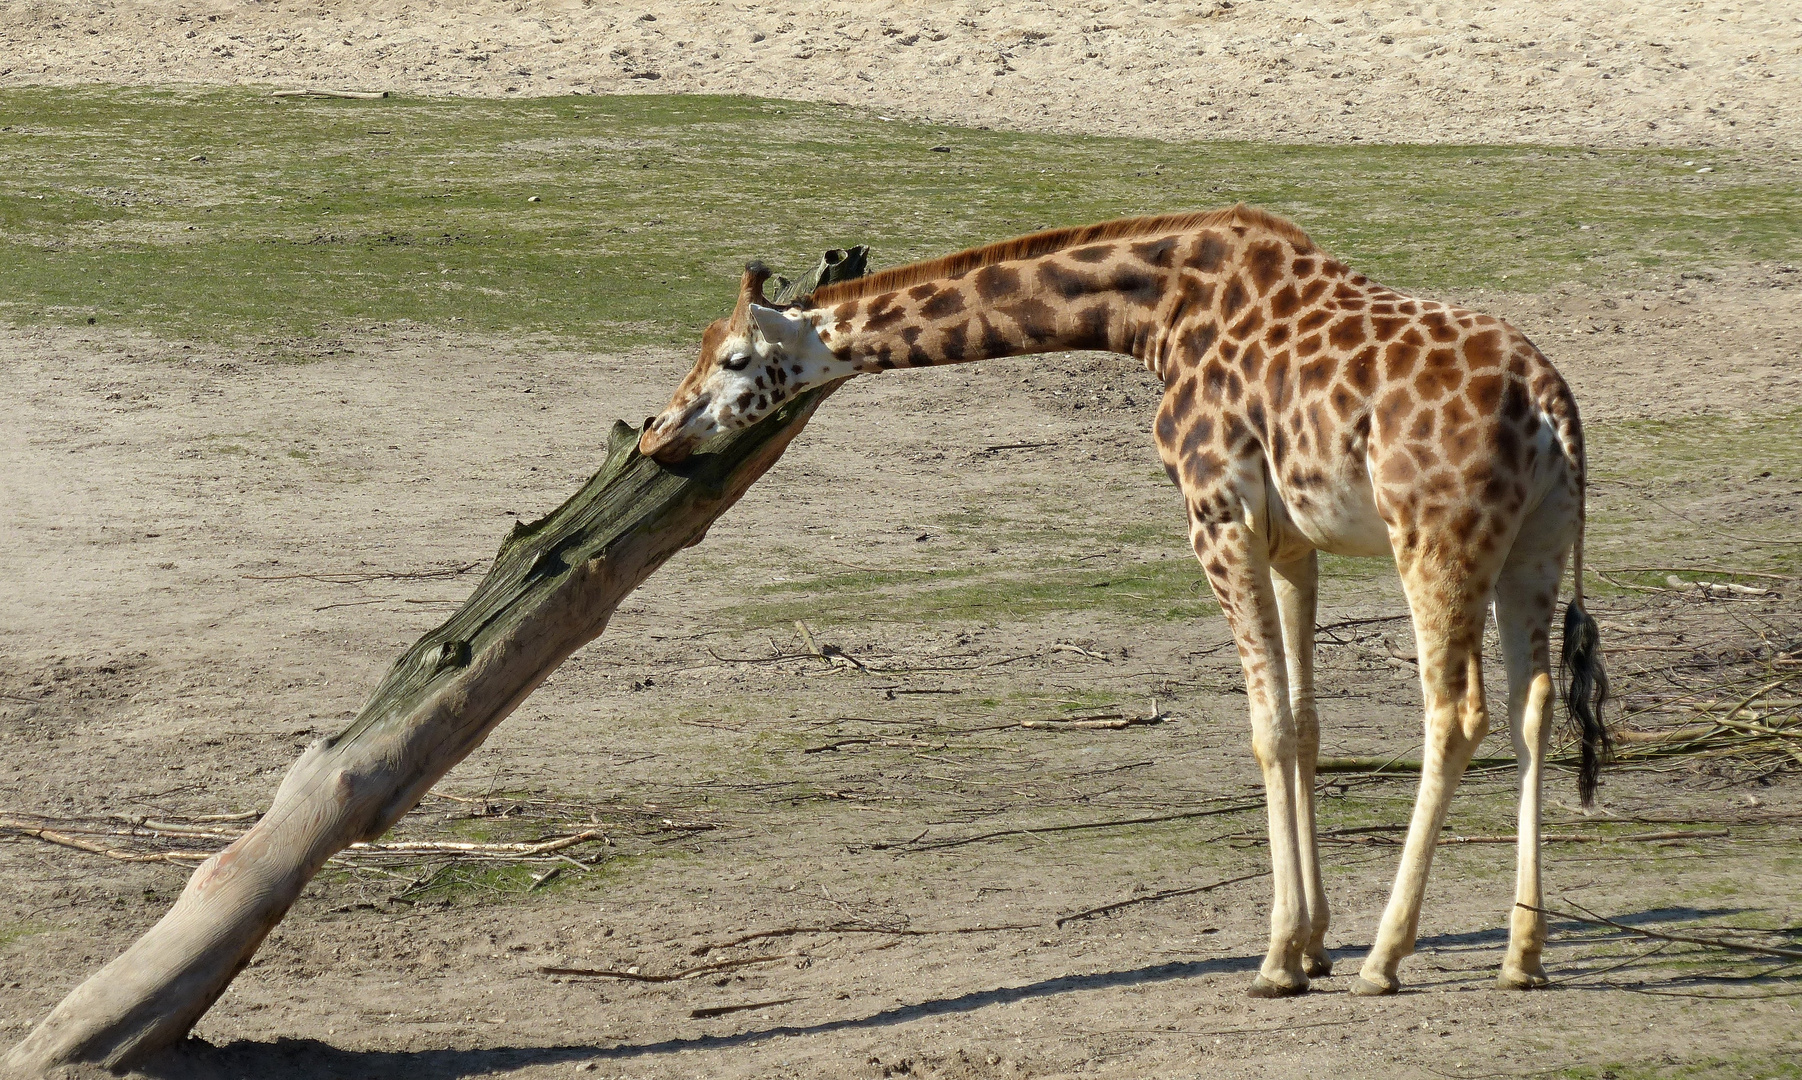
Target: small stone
{"x": 534, "y": 199}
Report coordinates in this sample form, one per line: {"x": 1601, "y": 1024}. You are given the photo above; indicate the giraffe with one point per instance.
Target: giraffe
{"x": 1306, "y": 409}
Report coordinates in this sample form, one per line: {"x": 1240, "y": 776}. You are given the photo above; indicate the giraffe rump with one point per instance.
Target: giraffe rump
{"x": 1585, "y": 691}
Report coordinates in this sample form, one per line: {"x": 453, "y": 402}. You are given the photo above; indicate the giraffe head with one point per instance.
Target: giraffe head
{"x": 750, "y": 363}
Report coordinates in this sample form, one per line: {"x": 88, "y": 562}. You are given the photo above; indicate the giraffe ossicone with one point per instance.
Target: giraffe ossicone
{"x": 1306, "y": 408}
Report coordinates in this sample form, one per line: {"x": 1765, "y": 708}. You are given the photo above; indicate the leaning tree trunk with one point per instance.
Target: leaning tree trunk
{"x": 551, "y": 590}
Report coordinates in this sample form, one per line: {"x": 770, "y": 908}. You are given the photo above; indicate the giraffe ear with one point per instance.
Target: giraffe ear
{"x": 780, "y": 328}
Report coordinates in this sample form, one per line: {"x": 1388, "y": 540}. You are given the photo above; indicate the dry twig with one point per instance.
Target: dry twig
{"x": 632, "y": 974}
{"x": 1150, "y": 898}
{"x": 858, "y": 928}
{"x": 722, "y": 1010}
{"x": 1687, "y": 939}
{"x": 1117, "y": 823}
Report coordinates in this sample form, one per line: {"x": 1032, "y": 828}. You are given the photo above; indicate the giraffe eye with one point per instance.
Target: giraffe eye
{"x": 736, "y": 362}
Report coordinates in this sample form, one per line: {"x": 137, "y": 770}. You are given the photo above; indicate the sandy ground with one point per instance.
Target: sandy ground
{"x": 1601, "y": 72}
{"x": 185, "y": 635}
{"x": 201, "y": 544}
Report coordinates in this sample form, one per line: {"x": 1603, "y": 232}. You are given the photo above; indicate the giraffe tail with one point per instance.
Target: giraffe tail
{"x": 1580, "y": 668}
{"x": 1585, "y": 690}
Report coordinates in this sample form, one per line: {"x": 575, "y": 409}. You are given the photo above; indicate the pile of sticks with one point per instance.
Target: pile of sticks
{"x": 191, "y": 841}
{"x": 562, "y": 836}
{"x": 1738, "y": 710}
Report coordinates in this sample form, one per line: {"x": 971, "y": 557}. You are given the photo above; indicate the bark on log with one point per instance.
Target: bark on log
{"x": 552, "y": 588}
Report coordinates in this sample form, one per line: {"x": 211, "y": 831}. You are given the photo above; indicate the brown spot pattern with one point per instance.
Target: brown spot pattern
{"x": 1281, "y": 367}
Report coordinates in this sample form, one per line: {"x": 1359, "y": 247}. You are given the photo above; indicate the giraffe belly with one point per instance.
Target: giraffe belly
{"x": 1338, "y": 516}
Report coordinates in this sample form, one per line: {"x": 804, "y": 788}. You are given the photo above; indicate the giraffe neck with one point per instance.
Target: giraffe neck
{"x": 1126, "y": 296}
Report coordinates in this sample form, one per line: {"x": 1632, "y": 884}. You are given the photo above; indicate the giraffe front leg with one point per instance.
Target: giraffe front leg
{"x": 1235, "y": 558}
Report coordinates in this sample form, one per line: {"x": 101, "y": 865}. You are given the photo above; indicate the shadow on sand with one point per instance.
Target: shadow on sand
{"x": 315, "y": 1060}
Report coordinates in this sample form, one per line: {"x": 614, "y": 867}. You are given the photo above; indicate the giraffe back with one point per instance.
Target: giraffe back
{"x": 1371, "y": 417}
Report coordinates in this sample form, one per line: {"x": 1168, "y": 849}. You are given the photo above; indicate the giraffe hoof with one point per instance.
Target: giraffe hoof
{"x": 1364, "y": 987}
{"x": 1317, "y": 965}
{"x": 1516, "y": 979}
{"x": 1266, "y": 988}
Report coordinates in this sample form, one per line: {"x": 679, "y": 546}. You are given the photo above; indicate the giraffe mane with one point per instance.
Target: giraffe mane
{"x": 1044, "y": 243}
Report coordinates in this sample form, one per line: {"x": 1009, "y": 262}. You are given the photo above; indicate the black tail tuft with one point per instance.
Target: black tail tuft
{"x": 1585, "y": 691}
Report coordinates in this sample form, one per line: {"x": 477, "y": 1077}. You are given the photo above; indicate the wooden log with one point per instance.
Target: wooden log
{"x": 551, "y": 590}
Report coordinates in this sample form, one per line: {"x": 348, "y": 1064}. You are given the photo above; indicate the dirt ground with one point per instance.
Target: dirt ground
{"x": 207, "y": 550}
{"x": 1572, "y": 72}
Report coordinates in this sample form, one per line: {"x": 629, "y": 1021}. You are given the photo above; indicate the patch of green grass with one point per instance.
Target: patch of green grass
{"x": 1144, "y": 571}
{"x": 1168, "y": 589}
{"x": 1347, "y": 568}
{"x": 11, "y": 932}
{"x": 1703, "y": 448}
{"x": 230, "y": 215}
{"x": 1684, "y": 462}
{"x": 1739, "y": 1067}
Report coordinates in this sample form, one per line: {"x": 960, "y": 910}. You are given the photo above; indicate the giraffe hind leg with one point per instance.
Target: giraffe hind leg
{"x": 1448, "y": 600}
{"x": 1526, "y": 597}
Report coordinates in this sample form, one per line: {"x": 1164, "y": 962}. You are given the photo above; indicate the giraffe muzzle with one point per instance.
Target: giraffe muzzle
{"x": 667, "y": 446}
{"x": 671, "y": 437}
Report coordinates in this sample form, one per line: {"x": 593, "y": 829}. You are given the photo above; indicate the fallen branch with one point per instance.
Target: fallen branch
{"x": 1687, "y": 939}
{"x": 1117, "y": 823}
{"x": 1154, "y": 897}
{"x": 71, "y": 834}
{"x": 348, "y": 578}
{"x": 552, "y": 588}
{"x": 831, "y": 654}
{"x": 1676, "y": 586}
{"x": 1013, "y": 446}
{"x": 62, "y": 839}
{"x": 1589, "y": 838}
{"x": 864, "y": 740}
{"x": 757, "y": 659}
{"x": 1697, "y": 570}
{"x": 632, "y": 974}
{"x": 1396, "y": 654}
{"x": 722, "y": 1010}
{"x": 1653, "y": 738}
{"x": 455, "y": 847}
{"x": 1387, "y": 835}
{"x": 858, "y": 928}
{"x": 1100, "y": 721}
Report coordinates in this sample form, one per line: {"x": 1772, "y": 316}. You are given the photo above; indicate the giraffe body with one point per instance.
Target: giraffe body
{"x": 1306, "y": 408}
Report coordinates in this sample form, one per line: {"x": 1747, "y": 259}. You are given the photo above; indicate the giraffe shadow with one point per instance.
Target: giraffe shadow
{"x": 311, "y": 1059}
{"x": 292, "y": 1059}
{"x": 1561, "y": 930}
